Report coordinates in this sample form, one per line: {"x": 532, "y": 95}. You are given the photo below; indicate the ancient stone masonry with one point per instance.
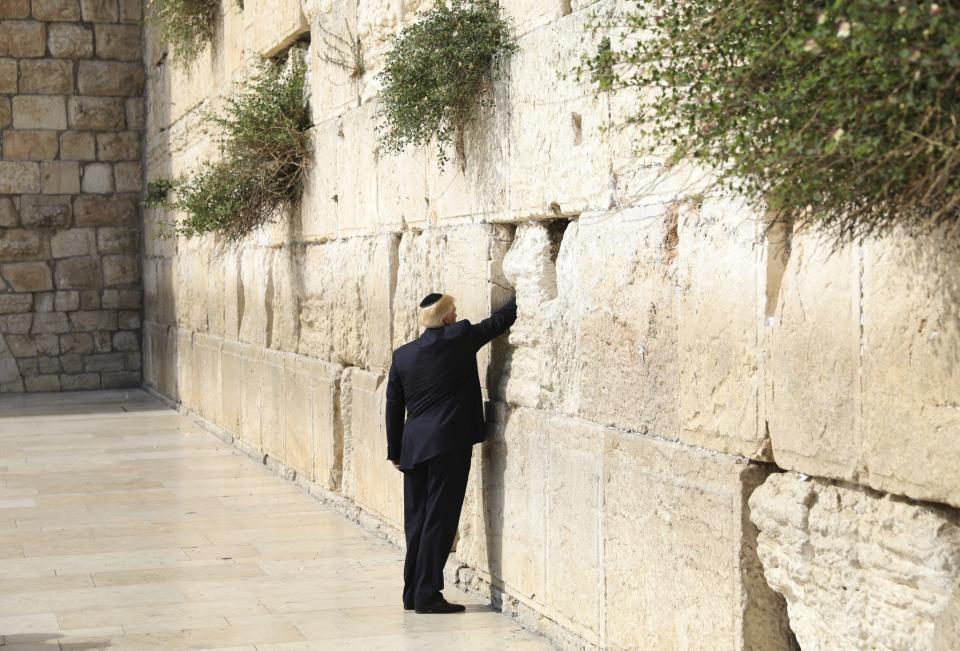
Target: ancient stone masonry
{"x": 703, "y": 434}
{"x": 71, "y": 117}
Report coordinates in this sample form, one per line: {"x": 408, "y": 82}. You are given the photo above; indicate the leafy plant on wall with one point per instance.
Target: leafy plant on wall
{"x": 187, "y": 25}
{"x": 438, "y": 72}
{"x": 844, "y": 115}
{"x": 264, "y": 146}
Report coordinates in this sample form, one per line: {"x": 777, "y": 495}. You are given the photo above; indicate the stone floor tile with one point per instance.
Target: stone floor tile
{"x": 126, "y": 527}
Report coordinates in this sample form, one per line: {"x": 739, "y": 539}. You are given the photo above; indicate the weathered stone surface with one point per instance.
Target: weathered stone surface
{"x": 67, "y": 301}
{"x": 118, "y": 146}
{"x": 97, "y": 113}
{"x": 347, "y": 321}
{"x": 44, "y": 302}
{"x": 589, "y": 330}
{"x": 19, "y": 177}
{"x": 22, "y": 39}
{"x": 40, "y": 383}
{"x": 6, "y": 113}
{"x": 15, "y": 303}
{"x": 8, "y": 76}
{"x": 73, "y": 242}
{"x": 368, "y": 478}
{"x": 60, "y": 177}
{"x": 104, "y": 211}
{"x": 80, "y": 382}
{"x": 271, "y": 25}
{"x": 532, "y": 514}
{"x": 50, "y": 323}
{"x": 719, "y": 320}
{"x": 206, "y": 376}
{"x": 117, "y": 240}
{"x": 131, "y": 11}
{"x": 815, "y": 332}
{"x": 101, "y": 11}
{"x": 680, "y": 553}
{"x": 97, "y": 178}
{"x": 15, "y": 9}
{"x": 114, "y": 299}
{"x": 30, "y": 145}
{"x": 70, "y": 41}
{"x": 9, "y": 214}
{"x": 109, "y": 78}
{"x": 46, "y": 76}
{"x": 558, "y": 155}
{"x": 859, "y": 569}
{"x": 40, "y": 211}
{"x": 78, "y": 342}
{"x": 121, "y": 42}
{"x": 56, "y": 10}
{"x": 911, "y": 379}
{"x": 128, "y": 177}
{"x": 39, "y": 112}
{"x": 313, "y": 438}
{"x": 17, "y": 244}
{"x": 93, "y": 320}
{"x": 28, "y": 276}
{"x": 77, "y": 145}
{"x": 78, "y": 273}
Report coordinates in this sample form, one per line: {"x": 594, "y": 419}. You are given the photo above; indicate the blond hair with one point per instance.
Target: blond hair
{"x": 434, "y": 312}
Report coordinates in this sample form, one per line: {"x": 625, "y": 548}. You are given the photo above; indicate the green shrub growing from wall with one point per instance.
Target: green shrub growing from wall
{"x": 436, "y": 73}
{"x": 186, "y": 25}
{"x": 842, "y": 114}
{"x": 264, "y": 155}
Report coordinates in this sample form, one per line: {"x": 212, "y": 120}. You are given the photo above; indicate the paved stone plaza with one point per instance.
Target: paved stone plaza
{"x": 126, "y": 526}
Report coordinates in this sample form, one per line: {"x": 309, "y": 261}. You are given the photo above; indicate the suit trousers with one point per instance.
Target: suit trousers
{"x": 433, "y": 492}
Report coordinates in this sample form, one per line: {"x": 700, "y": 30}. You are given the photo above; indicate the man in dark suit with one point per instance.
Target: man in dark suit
{"x": 435, "y": 379}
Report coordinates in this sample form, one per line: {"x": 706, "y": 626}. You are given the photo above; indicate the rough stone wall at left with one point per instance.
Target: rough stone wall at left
{"x": 71, "y": 118}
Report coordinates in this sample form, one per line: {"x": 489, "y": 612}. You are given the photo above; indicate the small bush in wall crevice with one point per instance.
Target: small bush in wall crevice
{"x": 438, "y": 72}
{"x": 840, "y": 115}
{"x": 264, "y": 155}
{"x": 186, "y": 25}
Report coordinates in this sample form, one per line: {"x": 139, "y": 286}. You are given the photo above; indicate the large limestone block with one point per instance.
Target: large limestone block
{"x": 859, "y": 569}
{"x": 252, "y": 417}
{"x": 192, "y": 270}
{"x": 531, "y": 522}
{"x": 503, "y": 532}
{"x": 231, "y": 385}
{"x": 720, "y": 318}
{"x": 558, "y": 159}
{"x": 812, "y": 377}
{"x": 911, "y": 378}
{"x": 595, "y": 333}
{"x": 183, "y": 368}
{"x": 679, "y": 551}
{"x": 402, "y": 199}
{"x": 283, "y": 291}
{"x": 273, "y": 389}
{"x": 368, "y": 478}
{"x": 334, "y": 86}
{"x": 474, "y": 184}
{"x": 462, "y": 261}
{"x": 206, "y": 377}
{"x": 347, "y": 295}
{"x": 355, "y": 173}
{"x": 318, "y": 207}
{"x": 314, "y": 440}
{"x": 272, "y": 25}
{"x": 253, "y": 284}
{"x": 160, "y": 358}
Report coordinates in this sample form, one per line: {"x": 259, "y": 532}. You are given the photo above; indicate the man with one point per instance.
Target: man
{"x": 435, "y": 378}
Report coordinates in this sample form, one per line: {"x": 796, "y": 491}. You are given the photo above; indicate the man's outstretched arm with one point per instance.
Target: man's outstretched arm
{"x": 396, "y": 412}
{"x": 493, "y": 326}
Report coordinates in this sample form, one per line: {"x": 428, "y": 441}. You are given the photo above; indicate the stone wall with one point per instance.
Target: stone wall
{"x": 71, "y": 118}
{"x": 669, "y": 357}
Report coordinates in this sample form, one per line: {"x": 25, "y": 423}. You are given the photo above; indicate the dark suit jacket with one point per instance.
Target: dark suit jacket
{"x": 435, "y": 378}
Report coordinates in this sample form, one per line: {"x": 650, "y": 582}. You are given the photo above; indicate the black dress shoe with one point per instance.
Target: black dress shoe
{"x": 407, "y": 606}
{"x": 440, "y": 605}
